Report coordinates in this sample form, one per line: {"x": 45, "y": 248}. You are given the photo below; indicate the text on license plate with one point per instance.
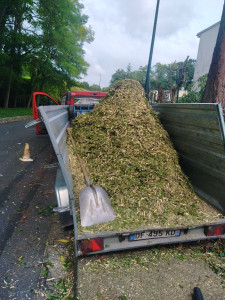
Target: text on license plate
{"x": 153, "y": 234}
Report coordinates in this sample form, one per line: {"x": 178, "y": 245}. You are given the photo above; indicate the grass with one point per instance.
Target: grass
{"x": 15, "y": 112}
{"x": 45, "y": 211}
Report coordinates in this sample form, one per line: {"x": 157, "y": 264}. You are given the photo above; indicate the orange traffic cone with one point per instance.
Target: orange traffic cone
{"x": 26, "y": 153}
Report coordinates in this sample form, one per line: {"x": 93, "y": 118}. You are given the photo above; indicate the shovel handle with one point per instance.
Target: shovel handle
{"x": 78, "y": 157}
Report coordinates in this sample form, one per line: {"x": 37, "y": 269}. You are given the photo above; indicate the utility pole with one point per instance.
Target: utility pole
{"x": 151, "y": 50}
{"x": 100, "y": 77}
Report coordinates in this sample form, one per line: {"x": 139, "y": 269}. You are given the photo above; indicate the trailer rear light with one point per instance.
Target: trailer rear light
{"x": 92, "y": 245}
{"x": 215, "y": 230}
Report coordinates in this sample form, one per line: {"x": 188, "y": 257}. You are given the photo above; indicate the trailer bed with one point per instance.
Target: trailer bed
{"x": 99, "y": 241}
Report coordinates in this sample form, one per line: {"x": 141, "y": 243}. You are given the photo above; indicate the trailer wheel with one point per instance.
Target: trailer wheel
{"x": 70, "y": 112}
{"x": 197, "y": 294}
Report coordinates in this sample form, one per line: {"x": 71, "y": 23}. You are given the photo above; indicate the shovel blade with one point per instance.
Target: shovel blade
{"x": 95, "y": 207}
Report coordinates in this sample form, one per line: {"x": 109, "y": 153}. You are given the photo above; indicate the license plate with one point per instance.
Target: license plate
{"x": 153, "y": 234}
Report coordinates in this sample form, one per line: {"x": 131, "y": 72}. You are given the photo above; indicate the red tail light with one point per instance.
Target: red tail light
{"x": 215, "y": 230}
{"x": 92, "y": 245}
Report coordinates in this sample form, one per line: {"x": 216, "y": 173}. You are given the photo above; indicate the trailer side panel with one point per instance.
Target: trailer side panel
{"x": 197, "y": 132}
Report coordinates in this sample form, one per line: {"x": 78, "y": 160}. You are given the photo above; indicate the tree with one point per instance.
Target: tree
{"x": 163, "y": 76}
{"x": 15, "y": 42}
{"x": 44, "y": 40}
{"x": 59, "y": 57}
{"x": 177, "y": 78}
{"x": 190, "y": 69}
{"x": 118, "y": 75}
{"x": 195, "y": 91}
{"x": 215, "y": 85}
{"x": 172, "y": 77}
{"x": 94, "y": 87}
{"x": 139, "y": 75}
{"x": 83, "y": 85}
{"x": 105, "y": 89}
{"x": 159, "y": 77}
{"x": 129, "y": 70}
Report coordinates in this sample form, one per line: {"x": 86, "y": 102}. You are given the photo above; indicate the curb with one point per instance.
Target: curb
{"x": 15, "y": 119}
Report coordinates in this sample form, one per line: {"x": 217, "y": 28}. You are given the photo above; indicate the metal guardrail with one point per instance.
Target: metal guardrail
{"x": 198, "y": 134}
{"x": 56, "y": 121}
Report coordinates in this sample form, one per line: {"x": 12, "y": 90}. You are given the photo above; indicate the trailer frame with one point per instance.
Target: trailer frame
{"x": 207, "y": 116}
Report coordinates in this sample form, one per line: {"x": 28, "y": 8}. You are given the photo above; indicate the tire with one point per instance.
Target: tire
{"x": 70, "y": 112}
{"x": 197, "y": 294}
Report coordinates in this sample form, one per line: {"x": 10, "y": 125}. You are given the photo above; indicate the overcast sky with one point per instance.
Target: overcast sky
{"x": 123, "y": 30}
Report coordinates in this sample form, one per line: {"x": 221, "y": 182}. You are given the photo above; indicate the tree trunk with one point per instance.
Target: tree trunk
{"x": 40, "y": 89}
{"x": 215, "y": 85}
{"x": 30, "y": 99}
{"x": 2, "y": 21}
{"x": 13, "y": 56}
{"x": 33, "y": 87}
{"x": 15, "y": 101}
{"x": 160, "y": 98}
{"x": 6, "y": 100}
{"x": 173, "y": 94}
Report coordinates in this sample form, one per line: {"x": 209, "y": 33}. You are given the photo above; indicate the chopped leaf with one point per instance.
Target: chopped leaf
{"x": 63, "y": 241}
{"x": 63, "y": 261}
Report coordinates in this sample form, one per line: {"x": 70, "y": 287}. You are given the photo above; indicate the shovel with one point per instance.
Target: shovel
{"x": 95, "y": 207}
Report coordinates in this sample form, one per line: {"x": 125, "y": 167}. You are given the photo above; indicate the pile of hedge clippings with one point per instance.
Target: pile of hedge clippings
{"x": 126, "y": 151}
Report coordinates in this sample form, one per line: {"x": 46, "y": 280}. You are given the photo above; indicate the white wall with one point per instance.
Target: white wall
{"x": 205, "y": 51}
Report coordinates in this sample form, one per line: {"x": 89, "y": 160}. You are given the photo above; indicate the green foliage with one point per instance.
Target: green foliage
{"x": 190, "y": 72}
{"x": 138, "y": 75}
{"x": 219, "y": 248}
{"x": 15, "y": 112}
{"x": 41, "y": 47}
{"x": 80, "y": 86}
{"x": 118, "y": 75}
{"x": 105, "y": 89}
{"x": 21, "y": 261}
{"x": 76, "y": 88}
{"x": 94, "y": 87}
{"x": 84, "y": 86}
{"x": 195, "y": 91}
{"x": 45, "y": 211}
{"x": 159, "y": 77}
{"x": 162, "y": 75}
{"x": 63, "y": 290}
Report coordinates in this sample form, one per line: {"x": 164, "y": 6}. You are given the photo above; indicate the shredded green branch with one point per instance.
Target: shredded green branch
{"x": 126, "y": 151}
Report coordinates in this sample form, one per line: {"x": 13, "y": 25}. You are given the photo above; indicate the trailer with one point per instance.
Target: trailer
{"x": 198, "y": 134}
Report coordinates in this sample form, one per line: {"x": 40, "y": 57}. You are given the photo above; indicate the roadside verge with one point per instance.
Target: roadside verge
{"x": 15, "y": 119}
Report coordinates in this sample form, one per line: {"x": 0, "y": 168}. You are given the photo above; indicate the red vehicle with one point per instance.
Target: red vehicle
{"x": 82, "y": 98}
{"x": 83, "y": 101}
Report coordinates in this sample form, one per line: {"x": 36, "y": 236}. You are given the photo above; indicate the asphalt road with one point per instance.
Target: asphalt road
{"x": 26, "y": 201}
